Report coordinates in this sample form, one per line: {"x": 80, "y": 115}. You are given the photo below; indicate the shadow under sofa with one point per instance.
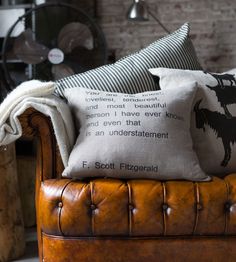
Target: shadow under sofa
{"x": 137, "y": 220}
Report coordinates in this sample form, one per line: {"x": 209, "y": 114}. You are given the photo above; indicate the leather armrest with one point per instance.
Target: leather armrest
{"x": 38, "y": 126}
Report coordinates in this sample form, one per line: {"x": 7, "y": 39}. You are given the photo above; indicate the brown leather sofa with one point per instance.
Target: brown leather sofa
{"x": 112, "y": 220}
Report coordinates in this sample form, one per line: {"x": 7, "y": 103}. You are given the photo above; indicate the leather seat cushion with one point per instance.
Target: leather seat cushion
{"x": 138, "y": 208}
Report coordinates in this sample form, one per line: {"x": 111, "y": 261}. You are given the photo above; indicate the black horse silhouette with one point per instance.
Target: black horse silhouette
{"x": 226, "y": 94}
{"x": 224, "y": 127}
{"x": 225, "y": 97}
{"x": 220, "y": 78}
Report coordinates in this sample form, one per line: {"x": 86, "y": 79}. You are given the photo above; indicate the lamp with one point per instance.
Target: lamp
{"x": 139, "y": 11}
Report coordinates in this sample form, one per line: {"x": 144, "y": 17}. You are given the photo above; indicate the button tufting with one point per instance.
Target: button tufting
{"x": 227, "y": 206}
{"x": 199, "y": 206}
{"x": 131, "y": 207}
{"x": 60, "y": 204}
{"x": 165, "y": 207}
{"x": 93, "y": 207}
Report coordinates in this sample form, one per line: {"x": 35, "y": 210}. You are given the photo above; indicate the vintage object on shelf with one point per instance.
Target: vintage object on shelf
{"x": 58, "y": 40}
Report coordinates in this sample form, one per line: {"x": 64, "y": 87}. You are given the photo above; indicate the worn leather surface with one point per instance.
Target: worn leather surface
{"x": 155, "y": 221}
{"x": 112, "y": 207}
{"x": 199, "y": 249}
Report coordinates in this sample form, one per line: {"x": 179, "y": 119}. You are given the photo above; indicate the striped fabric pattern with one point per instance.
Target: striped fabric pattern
{"x": 130, "y": 74}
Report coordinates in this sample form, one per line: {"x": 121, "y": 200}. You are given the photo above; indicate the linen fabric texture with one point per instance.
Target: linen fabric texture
{"x": 130, "y": 74}
{"x": 145, "y": 135}
{"x": 213, "y": 124}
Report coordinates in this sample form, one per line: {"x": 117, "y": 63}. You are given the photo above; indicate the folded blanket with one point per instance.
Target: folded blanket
{"x": 38, "y": 95}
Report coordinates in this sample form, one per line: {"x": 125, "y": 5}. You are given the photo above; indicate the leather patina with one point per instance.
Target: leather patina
{"x": 137, "y": 220}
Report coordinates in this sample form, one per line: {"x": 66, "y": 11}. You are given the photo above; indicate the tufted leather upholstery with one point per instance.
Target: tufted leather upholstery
{"x": 109, "y": 207}
{"x": 112, "y": 220}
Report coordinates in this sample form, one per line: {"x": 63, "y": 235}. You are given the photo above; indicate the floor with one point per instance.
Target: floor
{"x": 31, "y": 253}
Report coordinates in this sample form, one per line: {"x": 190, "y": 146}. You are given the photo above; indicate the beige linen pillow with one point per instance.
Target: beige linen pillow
{"x": 145, "y": 135}
{"x": 213, "y": 116}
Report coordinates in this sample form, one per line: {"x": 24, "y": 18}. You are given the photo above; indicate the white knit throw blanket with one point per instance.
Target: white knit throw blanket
{"x": 38, "y": 95}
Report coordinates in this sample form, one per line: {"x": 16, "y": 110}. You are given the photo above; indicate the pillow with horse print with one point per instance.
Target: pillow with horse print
{"x": 213, "y": 123}
{"x": 146, "y": 135}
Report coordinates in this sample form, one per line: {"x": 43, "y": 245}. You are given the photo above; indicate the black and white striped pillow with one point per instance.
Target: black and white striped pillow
{"x": 130, "y": 74}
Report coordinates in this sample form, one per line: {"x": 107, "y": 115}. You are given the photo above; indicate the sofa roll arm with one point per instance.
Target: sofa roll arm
{"x": 36, "y": 125}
